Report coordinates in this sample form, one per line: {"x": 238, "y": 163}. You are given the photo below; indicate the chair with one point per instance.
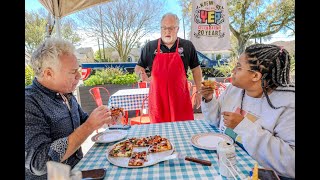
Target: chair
{"x": 229, "y": 79}
{"x": 142, "y": 84}
{"x": 85, "y": 73}
{"x": 143, "y": 118}
{"x": 96, "y": 95}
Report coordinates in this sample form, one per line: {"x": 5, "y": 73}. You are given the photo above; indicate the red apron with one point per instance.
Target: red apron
{"x": 169, "y": 96}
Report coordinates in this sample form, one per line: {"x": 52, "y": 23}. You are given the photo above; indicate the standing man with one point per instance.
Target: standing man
{"x": 168, "y": 59}
{"x": 55, "y": 124}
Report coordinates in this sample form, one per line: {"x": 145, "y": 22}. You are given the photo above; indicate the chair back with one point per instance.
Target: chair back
{"x": 96, "y": 95}
{"x": 144, "y": 112}
{"x": 228, "y": 79}
{"x": 85, "y": 73}
{"x": 142, "y": 84}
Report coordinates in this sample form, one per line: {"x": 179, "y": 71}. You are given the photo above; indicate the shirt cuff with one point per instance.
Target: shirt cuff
{"x": 243, "y": 127}
{"x": 58, "y": 149}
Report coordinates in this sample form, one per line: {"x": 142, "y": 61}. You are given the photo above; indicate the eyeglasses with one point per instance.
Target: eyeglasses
{"x": 238, "y": 67}
{"x": 168, "y": 28}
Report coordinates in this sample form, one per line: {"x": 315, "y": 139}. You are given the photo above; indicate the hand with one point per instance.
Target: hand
{"x": 99, "y": 116}
{"x": 198, "y": 100}
{"x": 231, "y": 119}
{"x": 117, "y": 119}
{"x": 143, "y": 76}
{"x": 206, "y": 92}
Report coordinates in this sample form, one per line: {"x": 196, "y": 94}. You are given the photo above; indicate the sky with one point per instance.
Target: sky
{"x": 170, "y": 6}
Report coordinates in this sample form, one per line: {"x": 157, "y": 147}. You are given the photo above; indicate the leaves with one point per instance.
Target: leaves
{"x": 35, "y": 29}
{"x": 29, "y": 75}
{"x": 110, "y": 76}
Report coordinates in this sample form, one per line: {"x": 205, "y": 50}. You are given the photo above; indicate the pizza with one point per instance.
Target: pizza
{"x": 123, "y": 149}
{"x": 163, "y": 145}
{"x": 146, "y": 146}
{"x": 154, "y": 139}
{"x": 139, "y": 142}
{"x": 116, "y": 111}
{"x": 138, "y": 158}
{"x": 209, "y": 83}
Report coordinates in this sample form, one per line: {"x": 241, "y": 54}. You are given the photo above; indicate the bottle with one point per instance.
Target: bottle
{"x": 226, "y": 157}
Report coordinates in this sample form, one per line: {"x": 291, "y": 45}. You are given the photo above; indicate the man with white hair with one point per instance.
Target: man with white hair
{"x": 55, "y": 124}
{"x": 168, "y": 58}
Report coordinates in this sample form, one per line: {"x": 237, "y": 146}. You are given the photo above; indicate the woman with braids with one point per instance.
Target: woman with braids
{"x": 258, "y": 109}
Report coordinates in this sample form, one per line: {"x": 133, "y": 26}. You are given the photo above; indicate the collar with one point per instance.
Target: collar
{"x": 174, "y": 45}
{"x": 47, "y": 91}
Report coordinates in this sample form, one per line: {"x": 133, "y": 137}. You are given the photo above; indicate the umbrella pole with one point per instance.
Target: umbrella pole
{"x": 58, "y": 27}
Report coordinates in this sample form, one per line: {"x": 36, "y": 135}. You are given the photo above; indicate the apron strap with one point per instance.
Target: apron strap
{"x": 177, "y": 45}
{"x": 158, "y": 48}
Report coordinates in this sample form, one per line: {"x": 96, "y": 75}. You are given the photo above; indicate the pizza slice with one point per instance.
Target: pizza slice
{"x": 164, "y": 145}
{"x": 116, "y": 111}
{"x": 209, "y": 83}
{"x": 138, "y": 158}
{"x": 154, "y": 139}
{"x": 123, "y": 149}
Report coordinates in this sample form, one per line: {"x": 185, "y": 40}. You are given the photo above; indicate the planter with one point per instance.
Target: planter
{"x": 86, "y": 101}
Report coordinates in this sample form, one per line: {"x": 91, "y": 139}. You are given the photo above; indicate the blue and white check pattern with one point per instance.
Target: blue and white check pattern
{"x": 129, "y": 99}
{"x": 179, "y": 133}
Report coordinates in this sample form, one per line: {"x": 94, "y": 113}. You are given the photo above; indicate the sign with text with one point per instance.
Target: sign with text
{"x": 210, "y": 25}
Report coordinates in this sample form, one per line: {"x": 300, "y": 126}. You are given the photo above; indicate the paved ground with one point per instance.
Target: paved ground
{"x": 88, "y": 143}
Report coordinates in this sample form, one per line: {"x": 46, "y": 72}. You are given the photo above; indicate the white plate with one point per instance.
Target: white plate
{"x": 151, "y": 157}
{"x": 209, "y": 140}
{"x": 109, "y": 136}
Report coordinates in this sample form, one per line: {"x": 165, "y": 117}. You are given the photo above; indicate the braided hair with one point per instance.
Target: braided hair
{"x": 273, "y": 62}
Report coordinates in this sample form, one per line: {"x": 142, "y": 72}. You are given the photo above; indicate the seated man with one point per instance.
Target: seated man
{"x": 55, "y": 124}
{"x": 258, "y": 109}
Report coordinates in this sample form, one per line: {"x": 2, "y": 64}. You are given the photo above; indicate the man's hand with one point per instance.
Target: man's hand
{"x": 198, "y": 100}
{"x": 143, "y": 76}
{"x": 99, "y": 116}
{"x": 231, "y": 119}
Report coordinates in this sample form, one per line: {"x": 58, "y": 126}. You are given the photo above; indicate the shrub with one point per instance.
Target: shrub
{"x": 29, "y": 75}
{"x": 110, "y": 76}
{"x": 226, "y": 68}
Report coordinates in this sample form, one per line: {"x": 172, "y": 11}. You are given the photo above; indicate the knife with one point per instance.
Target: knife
{"x": 187, "y": 158}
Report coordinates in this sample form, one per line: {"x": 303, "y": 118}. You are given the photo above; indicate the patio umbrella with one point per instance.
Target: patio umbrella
{"x": 61, "y": 8}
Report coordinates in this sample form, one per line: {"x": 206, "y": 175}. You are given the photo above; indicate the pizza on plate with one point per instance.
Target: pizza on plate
{"x": 163, "y": 145}
{"x": 123, "y": 149}
{"x": 138, "y": 158}
{"x": 139, "y": 142}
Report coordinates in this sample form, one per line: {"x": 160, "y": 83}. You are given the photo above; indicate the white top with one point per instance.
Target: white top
{"x": 267, "y": 134}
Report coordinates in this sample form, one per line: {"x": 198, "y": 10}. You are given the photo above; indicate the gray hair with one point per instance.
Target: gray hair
{"x": 173, "y": 15}
{"x": 47, "y": 54}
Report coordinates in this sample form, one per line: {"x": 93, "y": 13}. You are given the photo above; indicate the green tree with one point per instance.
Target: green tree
{"x": 258, "y": 18}
{"x": 122, "y": 23}
{"x": 35, "y": 29}
{"x": 108, "y": 52}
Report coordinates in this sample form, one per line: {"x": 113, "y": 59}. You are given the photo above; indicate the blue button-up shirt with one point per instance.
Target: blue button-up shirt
{"x": 48, "y": 123}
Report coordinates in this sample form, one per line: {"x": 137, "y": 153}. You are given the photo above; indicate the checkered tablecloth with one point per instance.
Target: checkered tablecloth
{"x": 129, "y": 99}
{"x": 179, "y": 133}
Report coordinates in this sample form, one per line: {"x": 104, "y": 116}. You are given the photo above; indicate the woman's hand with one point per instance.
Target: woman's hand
{"x": 206, "y": 92}
{"x": 231, "y": 119}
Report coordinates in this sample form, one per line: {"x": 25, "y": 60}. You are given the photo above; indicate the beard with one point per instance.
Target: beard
{"x": 169, "y": 40}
